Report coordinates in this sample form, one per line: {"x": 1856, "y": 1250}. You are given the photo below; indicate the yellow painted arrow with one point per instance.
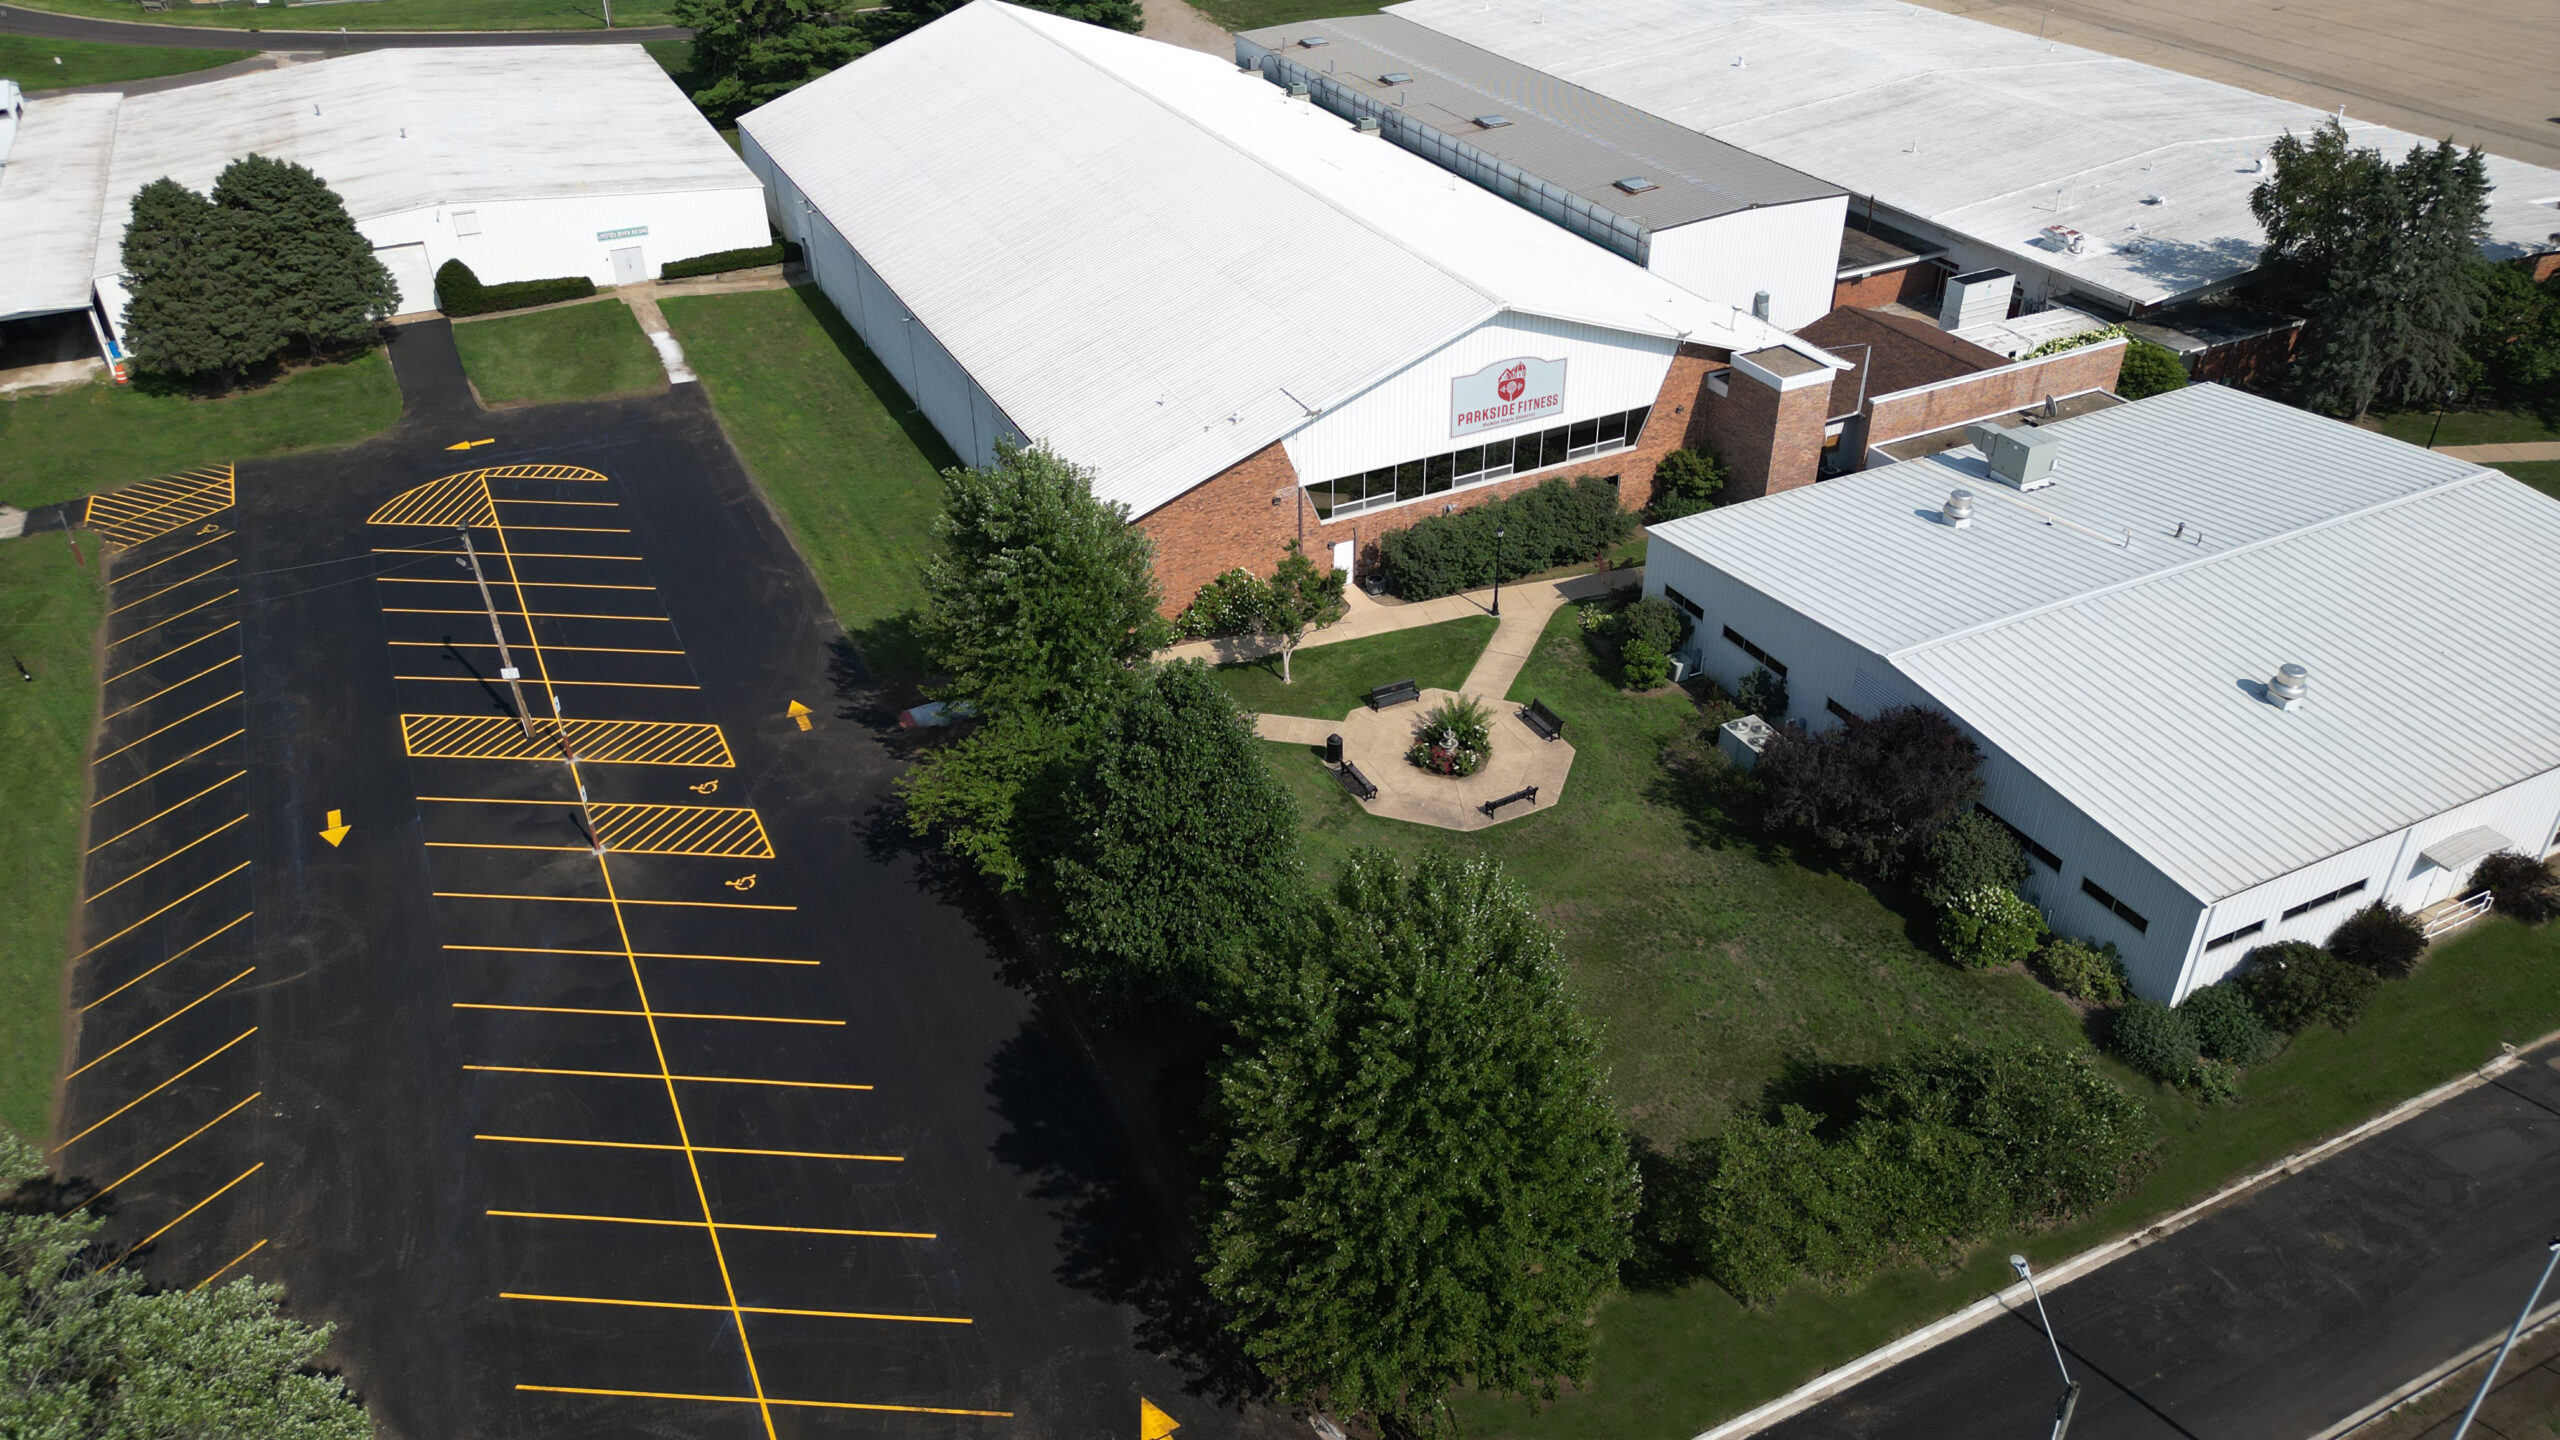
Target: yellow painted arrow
{"x": 1154, "y": 1424}
{"x": 337, "y": 830}
{"x": 800, "y": 713}
{"x": 468, "y": 444}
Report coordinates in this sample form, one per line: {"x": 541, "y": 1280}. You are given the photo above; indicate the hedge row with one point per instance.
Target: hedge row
{"x": 459, "y": 292}
{"x": 720, "y": 262}
{"x": 1558, "y": 523}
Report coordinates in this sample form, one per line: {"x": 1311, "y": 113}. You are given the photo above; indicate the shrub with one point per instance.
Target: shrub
{"x": 2055, "y": 1137}
{"x": 2519, "y": 885}
{"x": 1970, "y": 852}
{"x": 1684, "y": 483}
{"x": 1986, "y": 928}
{"x": 2293, "y": 986}
{"x": 1454, "y": 738}
{"x": 459, "y": 291}
{"x": 1559, "y": 523}
{"x": 1763, "y": 692}
{"x": 2215, "y": 1082}
{"x": 720, "y": 262}
{"x": 2381, "y": 937}
{"x": 2227, "y": 1028}
{"x": 2149, "y": 370}
{"x": 1641, "y": 666}
{"x": 2154, "y": 1039}
{"x": 2083, "y": 971}
{"x": 1228, "y": 605}
{"x": 1872, "y": 787}
{"x": 1657, "y": 622}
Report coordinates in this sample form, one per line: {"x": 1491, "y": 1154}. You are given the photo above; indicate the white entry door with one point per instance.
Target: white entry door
{"x": 628, "y": 268}
{"x": 409, "y": 271}
{"x": 1342, "y": 552}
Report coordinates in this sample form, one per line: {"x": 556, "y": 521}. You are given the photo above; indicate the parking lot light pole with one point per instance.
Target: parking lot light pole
{"x": 506, "y": 662}
{"x": 2512, "y": 1332}
{"x": 1497, "y": 570}
{"x": 2070, "y": 1388}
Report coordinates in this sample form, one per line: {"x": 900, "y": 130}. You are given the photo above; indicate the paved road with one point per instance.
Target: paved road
{"x": 740, "y": 1130}
{"x": 46, "y": 25}
{"x": 2277, "y": 1316}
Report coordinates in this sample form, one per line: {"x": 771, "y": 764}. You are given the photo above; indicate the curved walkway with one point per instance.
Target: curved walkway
{"x": 46, "y": 25}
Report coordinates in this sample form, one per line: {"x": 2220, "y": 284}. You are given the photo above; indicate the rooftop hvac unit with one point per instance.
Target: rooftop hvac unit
{"x": 1310, "y": 42}
{"x": 1975, "y": 297}
{"x": 1366, "y": 124}
{"x": 2066, "y": 239}
{"x": 2022, "y": 456}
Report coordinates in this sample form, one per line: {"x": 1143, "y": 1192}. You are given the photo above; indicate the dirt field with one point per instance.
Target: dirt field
{"x": 2481, "y": 71}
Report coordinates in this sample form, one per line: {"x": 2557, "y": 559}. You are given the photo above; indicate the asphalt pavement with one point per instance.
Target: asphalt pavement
{"x": 47, "y": 25}
{"x": 739, "y": 1127}
{"x": 2277, "y": 1316}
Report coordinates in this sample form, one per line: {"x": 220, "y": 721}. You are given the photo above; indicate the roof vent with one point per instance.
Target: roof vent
{"x": 1297, "y": 89}
{"x": 2290, "y": 684}
{"x": 1637, "y": 185}
{"x": 1366, "y": 124}
{"x": 2022, "y": 456}
{"x": 1492, "y": 122}
{"x": 1395, "y": 77}
{"x": 1958, "y": 511}
{"x": 1311, "y": 42}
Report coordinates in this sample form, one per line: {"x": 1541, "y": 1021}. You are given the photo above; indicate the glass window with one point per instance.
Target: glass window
{"x": 1585, "y": 438}
{"x": 1635, "y": 423}
{"x": 1497, "y": 457}
{"x": 1325, "y": 498}
{"x": 1381, "y": 485}
{"x": 1613, "y": 428}
{"x": 1436, "y": 474}
{"x": 1409, "y": 480}
{"x": 1555, "y": 447}
{"x": 1470, "y": 463}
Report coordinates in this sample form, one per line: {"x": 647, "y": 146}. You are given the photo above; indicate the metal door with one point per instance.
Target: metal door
{"x": 410, "y": 272}
{"x": 1342, "y": 552}
{"x": 628, "y": 267}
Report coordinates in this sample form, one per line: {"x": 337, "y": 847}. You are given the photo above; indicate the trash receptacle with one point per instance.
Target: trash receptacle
{"x": 1333, "y": 749}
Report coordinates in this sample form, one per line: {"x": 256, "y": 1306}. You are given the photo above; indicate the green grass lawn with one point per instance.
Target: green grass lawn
{"x": 49, "y": 610}
{"x": 1254, "y": 14}
{"x": 1330, "y": 681}
{"x": 854, "y": 469}
{"x": 2542, "y": 475}
{"x": 30, "y": 62}
{"x": 102, "y": 435}
{"x": 384, "y": 15}
{"x": 577, "y": 352}
{"x": 2464, "y": 427}
{"x": 1718, "y": 959}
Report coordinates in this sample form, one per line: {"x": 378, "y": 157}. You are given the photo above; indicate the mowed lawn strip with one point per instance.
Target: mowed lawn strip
{"x": 49, "y": 610}
{"x": 2463, "y": 427}
{"x": 576, "y": 352}
{"x": 101, "y": 435}
{"x": 406, "y": 15}
{"x": 1254, "y": 14}
{"x": 1330, "y": 681}
{"x": 30, "y": 61}
{"x": 853, "y": 469}
{"x": 2542, "y": 475}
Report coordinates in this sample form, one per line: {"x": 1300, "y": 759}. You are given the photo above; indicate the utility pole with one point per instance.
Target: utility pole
{"x": 2070, "y": 1400}
{"x": 2512, "y": 1332}
{"x": 507, "y": 670}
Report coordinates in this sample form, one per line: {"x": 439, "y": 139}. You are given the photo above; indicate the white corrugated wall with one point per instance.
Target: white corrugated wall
{"x": 540, "y": 239}
{"x": 1791, "y": 251}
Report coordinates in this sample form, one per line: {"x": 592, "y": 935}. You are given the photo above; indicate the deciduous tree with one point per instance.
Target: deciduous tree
{"x": 1425, "y": 1184}
{"x": 753, "y": 51}
{"x": 1873, "y": 788}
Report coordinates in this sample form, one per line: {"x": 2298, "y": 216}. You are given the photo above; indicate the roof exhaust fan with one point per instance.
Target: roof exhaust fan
{"x": 1958, "y": 511}
{"x": 2287, "y": 689}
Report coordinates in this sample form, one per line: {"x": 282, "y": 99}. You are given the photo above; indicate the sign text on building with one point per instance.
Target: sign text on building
{"x": 1506, "y": 392}
{"x": 634, "y": 233}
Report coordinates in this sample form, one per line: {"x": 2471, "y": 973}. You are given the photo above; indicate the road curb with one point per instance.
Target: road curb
{"x": 1822, "y": 1387}
{"x": 2427, "y": 1382}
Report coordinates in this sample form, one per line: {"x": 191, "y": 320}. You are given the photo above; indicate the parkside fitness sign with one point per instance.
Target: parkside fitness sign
{"x": 1505, "y": 392}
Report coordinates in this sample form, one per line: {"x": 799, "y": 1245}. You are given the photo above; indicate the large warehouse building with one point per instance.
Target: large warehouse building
{"x": 1251, "y": 320}
{"x": 2112, "y": 622}
{"x": 523, "y": 162}
{"x": 2102, "y": 183}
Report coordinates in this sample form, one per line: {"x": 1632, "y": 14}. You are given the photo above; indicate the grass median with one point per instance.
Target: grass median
{"x": 850, "y": 465}
{"x": 394, "y": 15}
{"x": 41, "y": 65}
{"x": 101, "y": 435}
{"x": 1330, "y": 681}
{"x": 2542, "y": 475}
{"x": 576, "y": 352}
{"x": 49, "y": 609}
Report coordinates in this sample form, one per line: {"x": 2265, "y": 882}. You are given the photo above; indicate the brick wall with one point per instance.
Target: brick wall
{"x": 2258, "y": 360}
{"x": 2012, "y": 387}
{"x": 1770, "y": 440}
{"x": 1230, "y": 519}
{"x": 1915, "y": 285}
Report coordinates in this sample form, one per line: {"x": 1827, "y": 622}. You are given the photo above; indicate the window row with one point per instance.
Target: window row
{"x": 1755, "y": 652}
{"x": 2035, "y": 852}
{"x": 1477, "y": 464}
{"x": 2131, "y": 916}
{"x": 2316, "y": 901}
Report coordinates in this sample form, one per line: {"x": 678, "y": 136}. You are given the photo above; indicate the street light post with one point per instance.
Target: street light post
{"x": 2070, "y": 1401}
{"x": 2510, "y": 1343}
{"x": 1497, "y": 570}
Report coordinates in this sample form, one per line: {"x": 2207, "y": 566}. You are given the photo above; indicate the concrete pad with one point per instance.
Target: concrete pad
{"x": 1376, "y": 741}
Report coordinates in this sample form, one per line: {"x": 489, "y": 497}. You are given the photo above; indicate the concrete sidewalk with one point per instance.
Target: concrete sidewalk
{"x": 2492, "y": 454}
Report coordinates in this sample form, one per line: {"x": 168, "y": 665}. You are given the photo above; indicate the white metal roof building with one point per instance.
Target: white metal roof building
{"x": 1165, "y": 268}
{"x": 1963, "y": 132}
{"x": 2108, "y": 639}
{"x": 524, "y": 162}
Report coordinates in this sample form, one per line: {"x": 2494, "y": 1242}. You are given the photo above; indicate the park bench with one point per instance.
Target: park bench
{"x": 1395, "y": 694}
{"x": 1526, "y": 792}
{"x": 1355, "y": 782}
{"x": 1543, "y": 720}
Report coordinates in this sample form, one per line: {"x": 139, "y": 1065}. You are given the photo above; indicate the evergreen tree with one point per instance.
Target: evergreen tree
{"x": 1182, "y": 843}
{"x": 327, "y": 285}
{"x": 2379, "y": 259}
{"x": 902, "y": 16}
{"x": 91, "y": 1352}
{"x": 2515, "y": 350}
{"x": 759, "y": 50}
{"x": 201, "y": 302}
{"x": 1425, "y": 1185}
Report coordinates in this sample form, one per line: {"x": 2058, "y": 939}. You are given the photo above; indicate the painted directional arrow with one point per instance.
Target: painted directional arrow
{"x": 799, "y": 713}
{"x": 1154, "y": 1424}
{"x": 468, "y": 444}
{"x": 337, "y": 830}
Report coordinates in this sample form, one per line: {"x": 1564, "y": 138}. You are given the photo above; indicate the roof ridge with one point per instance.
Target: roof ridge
{"x": 2199, "y": 563}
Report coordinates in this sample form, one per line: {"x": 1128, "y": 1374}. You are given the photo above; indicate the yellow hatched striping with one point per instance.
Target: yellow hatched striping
{"x": 153, "y": 508}
{"x": 729, "y": 832}
{"x": 603, "y": 742}
{"x": 464, "y": 499}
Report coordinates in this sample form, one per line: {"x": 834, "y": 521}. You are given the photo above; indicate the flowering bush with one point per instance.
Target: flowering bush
{"x": 1454, "y": 738}
{"x": 1988, "y": 927}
